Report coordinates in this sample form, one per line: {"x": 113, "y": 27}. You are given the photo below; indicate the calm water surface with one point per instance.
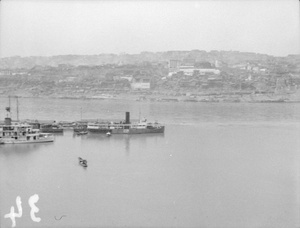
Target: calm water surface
{"x": 216, "y": 165}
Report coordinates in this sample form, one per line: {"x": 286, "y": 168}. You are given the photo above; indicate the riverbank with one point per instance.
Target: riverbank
{"x": 205, "y": 97}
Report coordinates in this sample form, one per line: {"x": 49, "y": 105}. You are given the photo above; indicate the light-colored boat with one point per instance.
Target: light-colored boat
{"x": 21, "y": 133}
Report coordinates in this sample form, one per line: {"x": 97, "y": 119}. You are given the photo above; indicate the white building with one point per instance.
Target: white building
{"x": 187, "y": 70}
{"x": 127, "y": 77}
{"x": 140, "y": 83}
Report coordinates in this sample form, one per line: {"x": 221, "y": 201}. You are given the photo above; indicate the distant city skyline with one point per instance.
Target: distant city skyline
{"x": 91, "y": 27}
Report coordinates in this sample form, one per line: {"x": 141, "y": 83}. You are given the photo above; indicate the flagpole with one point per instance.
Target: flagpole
{"x": 9, "y": 106}
{"x": 17, "y": 108}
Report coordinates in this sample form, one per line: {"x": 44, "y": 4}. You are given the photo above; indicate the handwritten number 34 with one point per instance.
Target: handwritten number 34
{"x": 32, "y": 200}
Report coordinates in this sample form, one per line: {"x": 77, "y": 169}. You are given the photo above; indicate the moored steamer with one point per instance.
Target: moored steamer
{"x": 126, "y": 127}
{"x": 22, "y": 133}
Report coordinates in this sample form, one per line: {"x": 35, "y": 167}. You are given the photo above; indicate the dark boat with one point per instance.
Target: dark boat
{"x": 66, "y": 124}
{"x": 82, "y": 162}
{"x": 81, "y": 133}
{"x": 80, "y": 127}
{"x": 51, "y": 128}
{"x": 126, "y": 127}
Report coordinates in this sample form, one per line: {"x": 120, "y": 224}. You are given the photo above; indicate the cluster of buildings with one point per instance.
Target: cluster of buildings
{"x": 249, "y": 76}
{"x": 80, "y": 81}
{"x": 190, "y": 67}
{"x": 175, "y": 76}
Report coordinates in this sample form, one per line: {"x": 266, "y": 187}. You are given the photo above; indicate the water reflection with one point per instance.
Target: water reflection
{"x": 127, "y": 145}
{"x": 96, "y": 136}
{"x": 60, "y": 134}
{"x": 21, "y": 149}
{"x": 163, "y": 112}
{"x": 123, "y": 140}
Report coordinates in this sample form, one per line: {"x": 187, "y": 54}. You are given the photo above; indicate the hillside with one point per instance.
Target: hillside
{"x": 229, "y": 57}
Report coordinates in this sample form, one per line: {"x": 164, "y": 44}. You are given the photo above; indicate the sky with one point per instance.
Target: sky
{"x": 92, "y": 27}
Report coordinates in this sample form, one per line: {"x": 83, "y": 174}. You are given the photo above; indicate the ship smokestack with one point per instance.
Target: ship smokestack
{"x": 7, "y": 121}
{"x": 127, "y": 120}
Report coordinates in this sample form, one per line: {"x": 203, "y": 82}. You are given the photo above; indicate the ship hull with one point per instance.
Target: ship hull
{"x": 138, "y": 131}
{"x": 99, "y": 131}
{"x": 52, "y": 130}
{"x": 79, "y": 129}
{"x": 25, "y": 141}
{"x": 128, "y": 131}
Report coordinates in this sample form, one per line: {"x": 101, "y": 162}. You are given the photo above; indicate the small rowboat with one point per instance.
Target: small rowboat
{"x": 82, "y": 133}
{"x": 82, "y": 162}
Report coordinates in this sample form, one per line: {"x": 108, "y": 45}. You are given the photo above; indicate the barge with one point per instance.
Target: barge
{"x": 51, "y": 128}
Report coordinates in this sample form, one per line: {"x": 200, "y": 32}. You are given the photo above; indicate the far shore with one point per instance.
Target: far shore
{"x": 207, "y": 97}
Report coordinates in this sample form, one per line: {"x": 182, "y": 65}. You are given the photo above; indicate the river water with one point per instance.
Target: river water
{"x": 216, "y": 165}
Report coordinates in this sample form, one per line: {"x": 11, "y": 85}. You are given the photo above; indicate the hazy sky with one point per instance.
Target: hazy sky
{"x": 59, "y": 27}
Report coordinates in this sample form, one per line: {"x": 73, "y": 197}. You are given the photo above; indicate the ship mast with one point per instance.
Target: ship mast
{"x": 8, "y": 108}
{"x": 9, "y": 104}
{"x": 17, "y": 108}
{"x": 139, "y": 114}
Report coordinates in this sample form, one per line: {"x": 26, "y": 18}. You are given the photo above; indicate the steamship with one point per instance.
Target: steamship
{"x": 126, "y": 127}
{"x": 17, "y": 133}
